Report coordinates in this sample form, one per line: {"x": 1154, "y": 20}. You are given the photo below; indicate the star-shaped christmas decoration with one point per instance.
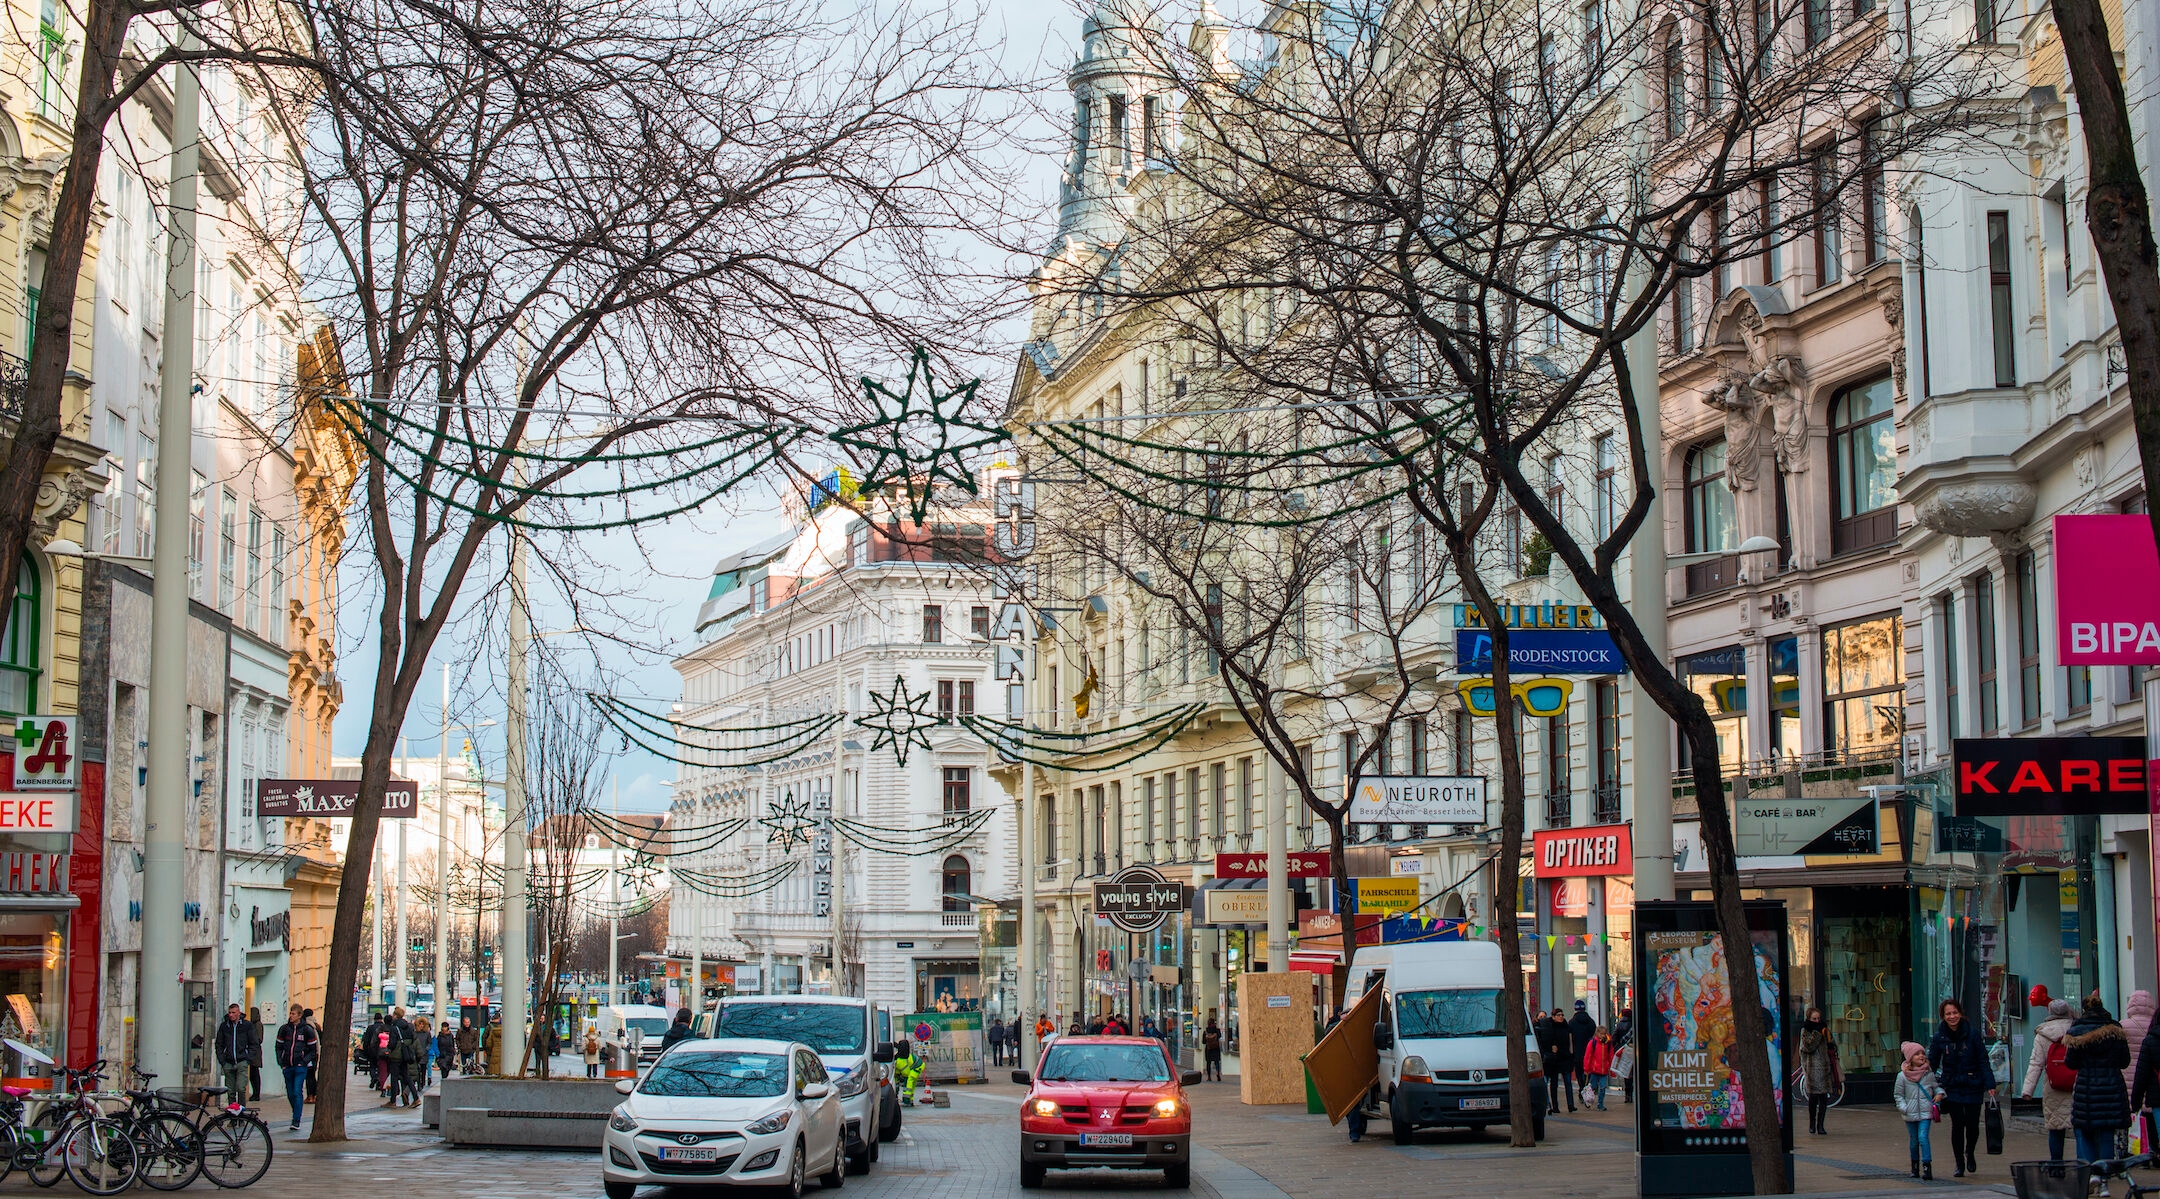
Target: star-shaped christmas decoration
{"x": 918, "y": 440}
{"x": 787, "y": 823}
{"x": 900, "y": 720}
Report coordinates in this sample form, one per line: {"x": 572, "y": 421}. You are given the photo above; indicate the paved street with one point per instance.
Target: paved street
{"x": 966, "y": 1151}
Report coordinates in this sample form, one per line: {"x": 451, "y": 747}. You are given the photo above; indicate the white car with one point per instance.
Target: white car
{"x": 726, "y": 1112}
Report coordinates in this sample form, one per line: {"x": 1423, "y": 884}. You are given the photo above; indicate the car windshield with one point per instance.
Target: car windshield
{"x": 651, "y": 1026}
{"x": 825, "y": 1027}
{"x": 1453, "y": 1013}
{"x": 1105, "y": 1063}
{"x": 718, "y": 1074}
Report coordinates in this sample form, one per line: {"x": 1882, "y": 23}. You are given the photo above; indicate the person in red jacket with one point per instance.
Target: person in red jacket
{"x": 1597, "y": 1064}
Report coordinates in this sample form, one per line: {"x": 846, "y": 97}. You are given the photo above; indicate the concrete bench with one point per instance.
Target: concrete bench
{"x": 555, "y": 1114}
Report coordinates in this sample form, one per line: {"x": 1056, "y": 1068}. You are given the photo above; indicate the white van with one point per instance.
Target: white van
{"x": 621, "y": 1017}
{"x": 1442, "y": 1036}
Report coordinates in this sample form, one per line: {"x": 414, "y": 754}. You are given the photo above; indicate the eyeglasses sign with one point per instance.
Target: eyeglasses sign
{"x": 1533, "y": 697}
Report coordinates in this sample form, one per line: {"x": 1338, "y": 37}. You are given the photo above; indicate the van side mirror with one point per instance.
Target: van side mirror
{"x": 1383, "y": 1037}
{"x": 1022, "y": 1077}
{"x": 885, "y": 1052}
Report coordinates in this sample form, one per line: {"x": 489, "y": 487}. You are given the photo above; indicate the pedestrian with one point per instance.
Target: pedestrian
{"x": 235, "y": 1045}
{"x": 1553, "y": 1047}
{"x": 396, "y": 1035}
{"x": 1148, "y": 1029}
{"x": 996, "y": 1035}
{"x": 677, "y": 1032}
{"x": 1597, "y": 1063}
{"x": 2145, "y": 1078}
{"x": 298, "y": 1045}
{"x": 1624, "y": 1053}
{"x": 1960, "y": 1062}
{"x": 255, "y": 1093}
{"x": 1819, "y": 1069}
{"x": 373, "y": 1050}
{"x": 2137, "y": 1021}
{"x": 446, "y": 1052}
{"x": 468, "y": 1045}
{"x": 592, "y": 1051}
{"x": 2049, "y": 1078}
{"x": 1581, "y": 1031}
{"x": 1917, "y": 1094}
{"x": 308, "y": 1018}
{"x": 1211, "y": 1051}
{"x": 908, "y": 1069}
{"x": 419, "y": 1038}
{"x": 2099, "y": 1104}
{"x": 1096, "y": 1024}
{"x": 1044, "y": 1026}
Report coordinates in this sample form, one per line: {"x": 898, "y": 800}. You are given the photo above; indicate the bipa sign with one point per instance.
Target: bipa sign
{"x": 2107, "y": 591}
{"x": 45, "y": 755}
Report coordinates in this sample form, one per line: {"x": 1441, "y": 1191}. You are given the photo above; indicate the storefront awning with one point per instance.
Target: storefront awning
{"x": 39, "y": 903}
{"x": 1315, "y": 963}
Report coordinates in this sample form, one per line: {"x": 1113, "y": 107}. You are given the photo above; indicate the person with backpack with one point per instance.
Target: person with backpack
{"x": 298, "y": 1045}
{"x": 395, "y": 1042}
{"x": 1211, "y": 1051}
{"x": 374, "y": 1051}
{"x": 468, "y": 1045}
{"x": 2050, "y": 1078}
{"x": 2100, "y": 1104}
{"x": 1597, "y": 1062}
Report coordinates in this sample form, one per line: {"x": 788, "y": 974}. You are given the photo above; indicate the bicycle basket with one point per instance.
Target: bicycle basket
{"x": 2052, "y": 1180}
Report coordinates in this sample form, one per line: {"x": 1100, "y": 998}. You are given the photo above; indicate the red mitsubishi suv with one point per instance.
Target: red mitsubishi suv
{"x": 1106, "y": 1103}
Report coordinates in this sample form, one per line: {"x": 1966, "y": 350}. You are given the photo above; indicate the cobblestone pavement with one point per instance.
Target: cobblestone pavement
{"x": 967, "y": 1150}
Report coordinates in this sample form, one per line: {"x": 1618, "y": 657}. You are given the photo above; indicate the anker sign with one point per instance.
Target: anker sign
{"x": 2050, "y": 776}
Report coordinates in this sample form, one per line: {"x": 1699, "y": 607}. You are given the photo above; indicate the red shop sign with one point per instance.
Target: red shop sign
{"x": 1303, "y": 864}
{"x": 1584, "y": 852}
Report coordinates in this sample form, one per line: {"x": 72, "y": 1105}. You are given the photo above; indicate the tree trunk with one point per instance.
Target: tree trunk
{"x": 53, "y": 336}
{"x": 2118, "y": 212}
{"x": 344, "y": 966}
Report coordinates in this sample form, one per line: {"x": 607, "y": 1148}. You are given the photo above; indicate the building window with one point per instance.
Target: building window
{"x": 933, "y": 624}
{"x": 957, "y": 884}
{"x": 252, "y": 617}
{"x": 1818, "y": 22}
{"x": 1675, "y": 86}
{"x": 21, "y": 643}
{"x": 145, "y": 495}
{"x": 1874, "y": 204}
{"x": 1864, "y": 484}
{"x": 1719, "y": 678}
{"x": 1683, "y": 316}
{"x": 979, "y": 621}
{"x": 1147, "y": 812}
{"x": 228, "y": 551}
{"x": 1420, "y": 752}
{"x": 1863, "y": 687}
{"x": 945, "y": 697}
{"x": 1711, "y": 523}
{"x": 1784, "y": 697}
{"x": 2077, "y": 688}
{"x": 1169, "y": 829}
{"x": 277, "y": 582}
{"x": 1192, "y": 803}
{"x": 2028, "y": 638}
{"x": 1049, "y": 827}
{"x": 1773, "y": 255}
{"x": 198, "y": 528}
{"x": 1947, "y": 601}
{"x": 1983, "y": 622}
{"x": 957, "y": 782}
{"x": 1559, "y": 773}
{"x": 1150, "y": 129}
{"x": 1607, "y": 514}
{"x": 1248, "y": 798}
{"x": 1822, "y": 175}
{"x": 1219, "y": 783}
{"x": 1983, "y": 20}
{"x": 1462, "y": 741}
{"x": 1998, "y": 237}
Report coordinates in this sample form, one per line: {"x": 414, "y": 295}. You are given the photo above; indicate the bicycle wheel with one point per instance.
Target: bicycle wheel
{"x": 10, "y": 1147}
{"x": 236, "y": 1149}
{"x": 100, "y": 1157}
{"x": 170, "y": 1151}
{"x": 48, "y": 1167}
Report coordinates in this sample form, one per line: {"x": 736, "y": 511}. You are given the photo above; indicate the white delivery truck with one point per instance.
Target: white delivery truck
{"x": 1442, "y": 1036}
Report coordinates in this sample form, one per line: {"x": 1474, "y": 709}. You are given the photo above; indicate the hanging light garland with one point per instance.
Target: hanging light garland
{"x": 1015, "y": 742}
{"x": 671, "y": 739}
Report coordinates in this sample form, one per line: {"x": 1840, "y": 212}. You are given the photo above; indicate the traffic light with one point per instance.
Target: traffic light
{"x": 487, "y": 951}
{"x": 418, "y": 945}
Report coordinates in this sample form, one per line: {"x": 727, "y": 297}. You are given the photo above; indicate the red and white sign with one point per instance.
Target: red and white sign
{"x": 45, "y": 757}
{"x": 37, "y": 812}
{"x": 34, "y": 873}
{"x": 1303, "y": 864}
{"x": 2107, "y": 591}
{"x": 1584, "y": 852}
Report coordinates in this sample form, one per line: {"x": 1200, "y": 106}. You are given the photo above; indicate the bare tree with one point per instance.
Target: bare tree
{"x": 1461, "y": 229}
{"x": 565, "y": 739}
{"x": 591, "y": 257}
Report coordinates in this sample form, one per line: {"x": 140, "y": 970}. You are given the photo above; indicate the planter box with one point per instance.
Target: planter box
{"x": 526, "y": 1112}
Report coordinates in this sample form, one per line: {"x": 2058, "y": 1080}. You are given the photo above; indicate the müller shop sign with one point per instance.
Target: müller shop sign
{"x": 1583, "y": 852}
{"x": 2050, "y": 776}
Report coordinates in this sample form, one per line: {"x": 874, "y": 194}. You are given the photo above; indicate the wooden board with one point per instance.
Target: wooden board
{"x": 1273, "y": 1039}
{"x": 1344, "y": 1063}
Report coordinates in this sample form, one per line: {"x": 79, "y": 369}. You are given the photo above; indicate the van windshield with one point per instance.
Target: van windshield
{"x": 1452, "y": 1013}
{"x": 829, "y": 1028}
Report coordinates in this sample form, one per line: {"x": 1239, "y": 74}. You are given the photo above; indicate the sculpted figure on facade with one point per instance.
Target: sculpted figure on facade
{"x": 1745, "y": 430}
{"x": 1778, "y": 382}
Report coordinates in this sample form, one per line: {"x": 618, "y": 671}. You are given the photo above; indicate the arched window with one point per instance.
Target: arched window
{"x": 21, "y": 642}
{"x": 958, "y": 885}
{"x": 1863, "y": 484}
{"x": 1710, "y": 523}
{"x": 1675, "y": 86}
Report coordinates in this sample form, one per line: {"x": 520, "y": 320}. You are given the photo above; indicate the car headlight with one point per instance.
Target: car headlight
{"x": 854, "y": 1083}
{"x": 621, "y": 1121}
{"x": 1537, "y": 1063}
{"x": 1166, "y": 1109}
{"x": 771, "y": 1124}
{"x": 1043, "y": 1107}
{"x": 1414, "y": 1070}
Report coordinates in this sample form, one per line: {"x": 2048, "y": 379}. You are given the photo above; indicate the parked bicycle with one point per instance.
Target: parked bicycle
{"x": 74, "y": 1136}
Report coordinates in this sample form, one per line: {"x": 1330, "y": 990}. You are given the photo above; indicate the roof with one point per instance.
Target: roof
{"x": 756, "y": 553}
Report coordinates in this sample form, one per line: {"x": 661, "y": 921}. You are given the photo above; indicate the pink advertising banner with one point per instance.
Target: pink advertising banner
{"x": 2107, "y": 591}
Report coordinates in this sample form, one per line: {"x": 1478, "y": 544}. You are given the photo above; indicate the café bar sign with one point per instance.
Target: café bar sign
{"x": 2050, "y": 776}
{"x": 332, "y": 798}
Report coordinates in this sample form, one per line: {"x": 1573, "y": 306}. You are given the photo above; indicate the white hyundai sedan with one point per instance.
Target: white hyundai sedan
{"x": 726, "y": 1113}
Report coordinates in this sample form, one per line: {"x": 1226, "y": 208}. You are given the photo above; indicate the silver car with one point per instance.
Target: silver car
{"x": 726, "y": 1112}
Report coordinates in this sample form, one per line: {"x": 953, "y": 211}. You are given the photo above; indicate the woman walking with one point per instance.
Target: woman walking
{"x": 1917, "y": 1093}
{"x": 592, "y": 1051}
{"x": 2100, "y": 1105}
{"x": 1960, "y": 1062}
{"x": 2052, "y": 1083}
{"x": 1819, "y": 1069}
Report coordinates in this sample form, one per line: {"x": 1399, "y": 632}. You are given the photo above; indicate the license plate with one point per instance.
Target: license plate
{"x": 1487, "y": 1104}
{"x": 1106, "y": 1138}
{"x": 689, "y": 1153}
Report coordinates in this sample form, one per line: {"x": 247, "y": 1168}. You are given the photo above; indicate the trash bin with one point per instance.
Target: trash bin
{"x": 2052, "y": 1180}
{"x": 1313, "y": 1105}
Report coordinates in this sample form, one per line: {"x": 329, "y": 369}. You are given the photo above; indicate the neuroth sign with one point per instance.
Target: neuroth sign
{"x": 2107, "y": 591}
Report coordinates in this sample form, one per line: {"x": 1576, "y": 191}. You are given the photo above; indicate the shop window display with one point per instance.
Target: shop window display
{"x": 33, "y": 986}
{"x": 1864, "y": 978}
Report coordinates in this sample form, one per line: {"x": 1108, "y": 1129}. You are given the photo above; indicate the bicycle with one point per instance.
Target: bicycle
{"x": 93, "y": 1149}
{"x": 231, "y": 1142}
{"x": 1800, "y": 1093}
{"x": 168, "y": 1140}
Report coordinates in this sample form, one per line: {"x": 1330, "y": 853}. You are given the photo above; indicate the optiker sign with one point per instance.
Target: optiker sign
{"x": 2050, "y": 776}
{"x": 2107, "y": 591}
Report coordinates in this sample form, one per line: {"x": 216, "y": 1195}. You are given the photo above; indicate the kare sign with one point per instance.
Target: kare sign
{"x": 45, "y": 758}
{"x": 2107, "y": 591}
{"x": 2050, "y": 776}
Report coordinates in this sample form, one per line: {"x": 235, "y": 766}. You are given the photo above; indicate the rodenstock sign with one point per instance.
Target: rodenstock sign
{"x": 2107, "y": 591}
